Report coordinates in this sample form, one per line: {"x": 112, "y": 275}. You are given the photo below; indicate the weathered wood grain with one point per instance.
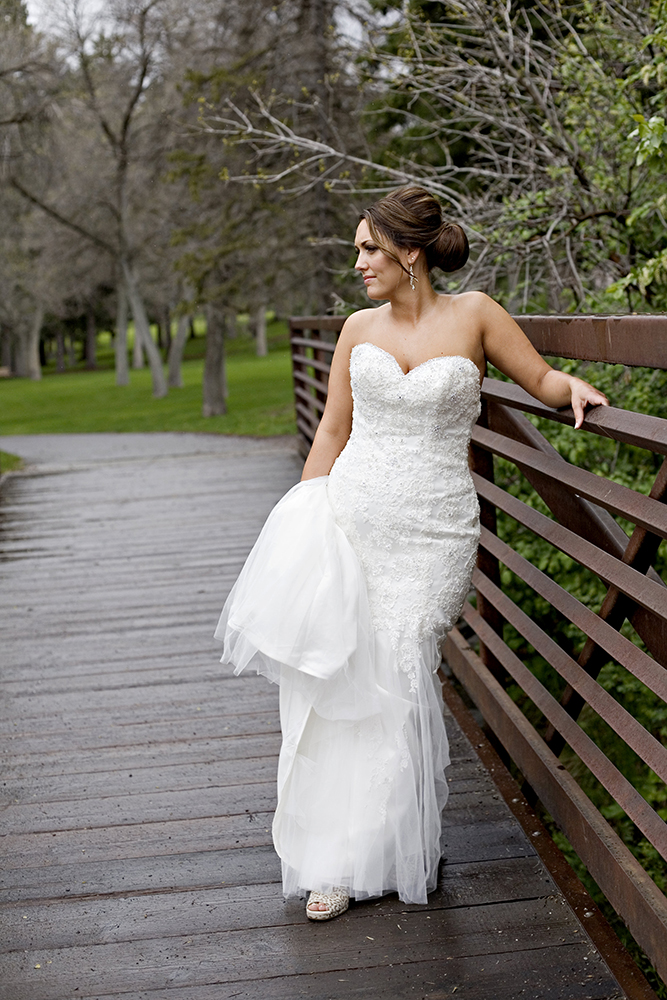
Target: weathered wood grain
{"x": 140, "y": 781}
{"x": 138, "y": 840}
{"x": 499, "y": 977}
{"x": 153, "y": 807}
{"x": 139, "y": 733}
{"x": 356, "y": 941}
{"x": 146, "y": 755}
{"x": 133, "y": 917}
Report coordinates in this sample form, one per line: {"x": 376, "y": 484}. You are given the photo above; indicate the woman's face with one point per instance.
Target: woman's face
{"x": 382, "y": 275}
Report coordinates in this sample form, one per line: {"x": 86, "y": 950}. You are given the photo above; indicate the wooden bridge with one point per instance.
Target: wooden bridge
{"x": 139, "y": 776}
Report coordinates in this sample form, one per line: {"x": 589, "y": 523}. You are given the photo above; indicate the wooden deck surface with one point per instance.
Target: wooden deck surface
{"x": 139, "y": 776}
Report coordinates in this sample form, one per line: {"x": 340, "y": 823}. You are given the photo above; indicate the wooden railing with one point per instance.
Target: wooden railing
{"x": 583, "y": 508}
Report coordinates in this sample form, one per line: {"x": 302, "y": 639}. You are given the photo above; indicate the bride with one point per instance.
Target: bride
{"x": 362, "y": 568}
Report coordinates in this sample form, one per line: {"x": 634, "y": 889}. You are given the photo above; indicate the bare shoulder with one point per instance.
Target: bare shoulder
{"x": 484, "y": 314}
{"x": 478, "y": 303}
{"x": 354, "y": 331}
{"x": 358, "y": 326}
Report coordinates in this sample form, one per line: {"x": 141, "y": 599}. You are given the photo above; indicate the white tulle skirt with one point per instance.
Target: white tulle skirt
{"x": 361, "y": 782}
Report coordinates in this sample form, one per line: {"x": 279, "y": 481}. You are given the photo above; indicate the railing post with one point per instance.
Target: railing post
{"x": 319, "y": 376}
{"x": 481, "y": 462}
{"x": 299, "y": 368}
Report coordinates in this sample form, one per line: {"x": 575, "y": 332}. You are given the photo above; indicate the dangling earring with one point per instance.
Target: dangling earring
{"x": 412, "y": 278}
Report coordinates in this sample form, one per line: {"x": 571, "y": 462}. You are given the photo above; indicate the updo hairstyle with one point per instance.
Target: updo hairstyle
{"x": 411, "y": 218}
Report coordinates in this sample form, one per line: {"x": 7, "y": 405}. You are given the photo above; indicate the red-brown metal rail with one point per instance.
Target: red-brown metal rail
{"x": 583, "y": 508}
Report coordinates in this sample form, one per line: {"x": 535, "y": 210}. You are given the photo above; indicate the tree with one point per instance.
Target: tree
{"x": 648, "y": 276}
{"x": 514, "y": 114}
{"x": 26, "y": 87}
{"x": 245, "y": 244}
{"x": 108, "y": 143}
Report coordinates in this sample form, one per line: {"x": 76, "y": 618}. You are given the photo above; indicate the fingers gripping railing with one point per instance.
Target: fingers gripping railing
{"x": 572, "y": 513}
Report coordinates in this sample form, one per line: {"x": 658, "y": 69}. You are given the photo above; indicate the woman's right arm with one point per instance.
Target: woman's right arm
{"x": 336, "y": 422}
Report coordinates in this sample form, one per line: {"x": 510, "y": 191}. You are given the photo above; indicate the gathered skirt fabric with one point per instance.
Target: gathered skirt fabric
{"x": 361, "y": 775}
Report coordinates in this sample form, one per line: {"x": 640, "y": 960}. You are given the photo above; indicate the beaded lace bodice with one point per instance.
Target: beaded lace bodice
{"x": 402, "y": 491}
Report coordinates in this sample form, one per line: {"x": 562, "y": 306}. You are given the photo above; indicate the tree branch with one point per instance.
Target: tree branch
{"x": 55, "y": 214}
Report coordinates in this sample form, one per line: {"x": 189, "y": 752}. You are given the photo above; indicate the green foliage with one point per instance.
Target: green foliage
{"x": 518, "y": 115}
{"x": 651, "y": 138}
{"x": 649, "y": 277}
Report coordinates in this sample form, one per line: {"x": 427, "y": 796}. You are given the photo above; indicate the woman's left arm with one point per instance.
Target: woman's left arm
{"x": 507, "y": 347}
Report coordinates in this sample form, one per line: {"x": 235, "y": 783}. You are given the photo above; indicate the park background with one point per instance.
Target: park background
{"x": 179, "y": 178}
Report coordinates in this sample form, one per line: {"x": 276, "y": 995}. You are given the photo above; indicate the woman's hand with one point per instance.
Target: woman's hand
{"x": 582, "y": 395}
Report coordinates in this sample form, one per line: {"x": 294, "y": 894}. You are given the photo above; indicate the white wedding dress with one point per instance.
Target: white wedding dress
{"x": 344, "y": 599}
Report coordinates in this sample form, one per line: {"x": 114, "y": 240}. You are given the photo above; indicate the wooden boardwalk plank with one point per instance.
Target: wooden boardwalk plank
{"x": 134, "y": 918}
{"x": 140, "y": 781}
{"x": 294, "y": 948}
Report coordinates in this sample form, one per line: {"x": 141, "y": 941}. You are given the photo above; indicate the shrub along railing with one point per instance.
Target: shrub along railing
{"x": 540, "y": 704}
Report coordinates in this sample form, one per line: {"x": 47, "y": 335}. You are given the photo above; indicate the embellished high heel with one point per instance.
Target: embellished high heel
{"x": 336, "y": 902}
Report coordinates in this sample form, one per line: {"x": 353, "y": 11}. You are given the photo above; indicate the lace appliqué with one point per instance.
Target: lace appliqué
{"x": 383, "y": 767}
{"x": 402, "y": 492}
{"x": 380, "y": 770}
{"x": 402, "y": 744}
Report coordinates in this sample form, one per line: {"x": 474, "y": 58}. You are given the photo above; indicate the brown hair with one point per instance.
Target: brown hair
{"x": 410, "y": 218}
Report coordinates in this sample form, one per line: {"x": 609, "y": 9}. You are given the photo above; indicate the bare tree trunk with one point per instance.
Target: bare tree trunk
{"x": 261, "y": 346}
{"x": 166, "y": 329}
{"x": 33, "y": 361}
{"x": 314, "y": 63}
{"x": 122, "y": 369}
{"x": 5, "y": 349}
{"x": 142, "y": 331}
{"x": 20, "y": 354}
{"x": 175, "y": 378}
{"x": 60, "y": 350}
{"x": 215, "y": 382}
{"x": 137, "y": 350}
{"x": 91, "y": 339}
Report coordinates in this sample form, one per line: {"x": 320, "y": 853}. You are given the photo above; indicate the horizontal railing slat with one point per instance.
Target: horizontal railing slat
{"x": 625, "y": 340}
{"x": 651, "y": 751}
{"x": 306, "y": 416}
{"x": 618, "y": 873}
{"x": 635, "y": 660}
{"x": 320, "y": 366}
{"x": 627, "y": 796}
{"x": 318, "y": 345}
{"x": 309, "y": 380}
{"x": 618, "y": 499}
{"x": 309, "y": 399}
{"x": 333, "y": 323}
{"x": 304, "y": 426}
{"x": 638, "y": 429}
{"x": 647, "y": 593}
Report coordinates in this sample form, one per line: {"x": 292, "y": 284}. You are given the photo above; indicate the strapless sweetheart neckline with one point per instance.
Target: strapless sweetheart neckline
{"x": 438, "y": 357}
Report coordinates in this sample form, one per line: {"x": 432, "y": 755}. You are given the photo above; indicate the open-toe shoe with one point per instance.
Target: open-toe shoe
{"x": 336, "y": 902}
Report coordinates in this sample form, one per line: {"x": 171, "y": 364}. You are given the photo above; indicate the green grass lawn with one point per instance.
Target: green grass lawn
{"x": 9, "y": 463}
{"x": 260, "y": 400}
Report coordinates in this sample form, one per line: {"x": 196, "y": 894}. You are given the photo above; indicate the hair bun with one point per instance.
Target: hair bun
{"x": 450, "y": 250}
{"x": 410, "y": 218}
